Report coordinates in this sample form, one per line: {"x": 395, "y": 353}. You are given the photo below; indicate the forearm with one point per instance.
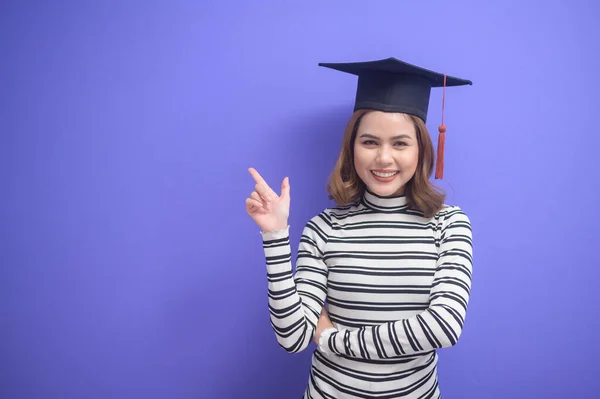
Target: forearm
{"x": 294, "y": 304}
{"x": 437, "y": 327}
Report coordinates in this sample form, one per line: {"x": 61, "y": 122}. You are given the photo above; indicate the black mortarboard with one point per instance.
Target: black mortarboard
{"x": 392, "y": 85}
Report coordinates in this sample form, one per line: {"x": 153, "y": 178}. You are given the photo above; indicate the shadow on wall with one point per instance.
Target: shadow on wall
{"x": 309, "y": 150}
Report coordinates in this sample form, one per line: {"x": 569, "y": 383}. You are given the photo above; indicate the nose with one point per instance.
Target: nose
{"x": 384, "y": 155}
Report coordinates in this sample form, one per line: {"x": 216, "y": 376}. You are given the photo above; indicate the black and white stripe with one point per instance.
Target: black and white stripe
{"x": 397, "y": 286}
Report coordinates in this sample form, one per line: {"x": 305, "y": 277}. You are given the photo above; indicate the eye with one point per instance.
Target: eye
{"x": 401, "y": 143}
{"x": 369, "y": 142}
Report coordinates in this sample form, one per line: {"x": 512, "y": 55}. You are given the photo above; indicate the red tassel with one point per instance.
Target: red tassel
{"x": 439, "y": 165}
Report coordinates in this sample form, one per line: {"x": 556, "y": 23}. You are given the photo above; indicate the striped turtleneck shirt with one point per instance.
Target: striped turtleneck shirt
{"x": 396, "y": 285}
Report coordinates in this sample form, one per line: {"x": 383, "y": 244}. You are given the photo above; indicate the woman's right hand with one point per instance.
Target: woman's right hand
{"x": 269, "y": 210}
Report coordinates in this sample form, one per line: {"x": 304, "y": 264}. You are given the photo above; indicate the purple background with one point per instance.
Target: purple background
{"x": 129, "y": 268}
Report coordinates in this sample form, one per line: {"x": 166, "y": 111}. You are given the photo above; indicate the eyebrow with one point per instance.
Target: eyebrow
{"x": 400, "y": 136}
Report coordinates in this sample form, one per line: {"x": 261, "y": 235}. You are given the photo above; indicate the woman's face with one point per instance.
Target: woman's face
{"x": 386, "y": 152}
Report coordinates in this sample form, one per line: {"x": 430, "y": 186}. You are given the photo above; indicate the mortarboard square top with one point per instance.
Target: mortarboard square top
{"x": 392, "y": 85}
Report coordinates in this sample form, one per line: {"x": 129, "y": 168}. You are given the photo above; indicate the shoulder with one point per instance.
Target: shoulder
{"x": 330, "y": 217}
{"x": 454, "y": 233}
{"x": 453, "y": 227}
{"x": 452, "y": 215}
{"x": 319, "y": 225}
{"x": 330, "y": 214}
{"x": 336, "y": 212}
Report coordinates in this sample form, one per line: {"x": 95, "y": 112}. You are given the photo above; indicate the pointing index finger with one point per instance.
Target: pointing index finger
{"x": 261, "y": 182}
{"x": 257, "y": 177}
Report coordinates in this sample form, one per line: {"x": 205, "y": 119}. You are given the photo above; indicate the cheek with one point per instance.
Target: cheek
{"x": 362, "y": 163}
{"x": 359, "y": 158}
{"x": 415, "y": 157}
{"x": 411, "y": 159}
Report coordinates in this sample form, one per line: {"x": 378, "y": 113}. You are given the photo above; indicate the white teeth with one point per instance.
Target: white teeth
{"x": 379, "y": 174}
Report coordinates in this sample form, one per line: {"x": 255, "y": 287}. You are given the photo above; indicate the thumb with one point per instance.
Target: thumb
{"x": 285, "y": 187}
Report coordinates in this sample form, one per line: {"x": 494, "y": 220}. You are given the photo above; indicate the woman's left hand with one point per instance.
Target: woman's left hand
{"x": 323, "y": 323}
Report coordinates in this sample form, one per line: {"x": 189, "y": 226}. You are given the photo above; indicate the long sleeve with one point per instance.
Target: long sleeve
{"x": 295, "y": 301}
{"x": 441, "y": 324}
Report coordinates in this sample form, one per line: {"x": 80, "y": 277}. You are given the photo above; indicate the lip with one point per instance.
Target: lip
{"x": 384, "y": 179}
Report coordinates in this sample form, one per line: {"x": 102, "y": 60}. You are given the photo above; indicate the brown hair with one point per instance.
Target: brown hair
{"x": 345, "y": 186}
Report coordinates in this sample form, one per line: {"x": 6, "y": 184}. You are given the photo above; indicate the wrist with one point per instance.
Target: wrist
{"x": 275, "y": 229}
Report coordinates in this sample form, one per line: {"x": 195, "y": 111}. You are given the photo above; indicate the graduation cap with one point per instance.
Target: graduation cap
{"x": 392, "y": 85}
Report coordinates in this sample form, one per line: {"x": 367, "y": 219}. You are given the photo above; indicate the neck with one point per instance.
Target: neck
{"x": 391, "y": 203}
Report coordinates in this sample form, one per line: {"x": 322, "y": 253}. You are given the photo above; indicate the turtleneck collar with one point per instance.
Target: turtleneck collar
{"x": 384, "y": 204}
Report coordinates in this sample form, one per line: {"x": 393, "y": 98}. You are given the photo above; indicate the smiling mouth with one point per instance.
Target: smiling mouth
{"x": 384, "y": 174}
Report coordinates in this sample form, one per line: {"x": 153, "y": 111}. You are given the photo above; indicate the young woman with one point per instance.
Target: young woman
{"x": 391, "y": 259}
